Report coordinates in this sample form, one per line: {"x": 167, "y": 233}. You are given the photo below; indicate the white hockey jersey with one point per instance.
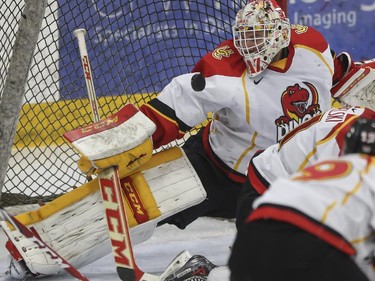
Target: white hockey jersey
{"x": 333, "y": 200}
{"x": 317, "y": 139}
{"x": 248, "y": 113}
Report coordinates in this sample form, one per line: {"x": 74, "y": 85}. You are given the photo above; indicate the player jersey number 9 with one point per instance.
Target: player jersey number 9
{"x": 325, "y": 170}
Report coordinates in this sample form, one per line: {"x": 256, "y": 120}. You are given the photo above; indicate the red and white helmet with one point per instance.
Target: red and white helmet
{"x": 261, "y": 30}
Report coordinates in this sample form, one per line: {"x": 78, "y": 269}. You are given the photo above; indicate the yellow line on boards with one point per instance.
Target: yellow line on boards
{"x": 43, "y": 124}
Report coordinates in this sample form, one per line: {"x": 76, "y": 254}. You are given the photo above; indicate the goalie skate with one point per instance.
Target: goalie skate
{"x": 197, "y": 268}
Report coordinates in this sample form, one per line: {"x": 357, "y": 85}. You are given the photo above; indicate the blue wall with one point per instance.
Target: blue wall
{"x": 124, "y": 40}
{"x": 348, "y": 25}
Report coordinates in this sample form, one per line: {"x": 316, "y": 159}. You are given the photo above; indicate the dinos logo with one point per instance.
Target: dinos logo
{"x": 299, "y": 105}
{"x": 224, "y": 51}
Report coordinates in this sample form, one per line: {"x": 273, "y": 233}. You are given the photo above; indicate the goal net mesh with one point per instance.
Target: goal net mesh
{"x": 135, "y": 49}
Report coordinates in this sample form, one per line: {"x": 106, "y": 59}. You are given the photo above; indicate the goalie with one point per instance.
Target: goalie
{"x": 68, "y": 220}
{"x": 223, "y": 82}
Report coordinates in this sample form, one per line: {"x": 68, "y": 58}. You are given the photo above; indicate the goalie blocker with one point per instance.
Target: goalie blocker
{"x": 156, "y": 187}
{"x": 355, "y": 85}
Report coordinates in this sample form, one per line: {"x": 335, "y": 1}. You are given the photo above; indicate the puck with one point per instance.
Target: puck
{"x": 198, "y": 82}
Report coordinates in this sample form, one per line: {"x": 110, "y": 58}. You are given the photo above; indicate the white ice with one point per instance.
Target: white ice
{"x": 206, "y": 236}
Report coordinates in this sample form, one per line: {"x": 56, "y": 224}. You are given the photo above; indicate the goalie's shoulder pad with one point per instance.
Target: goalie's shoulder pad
{"x": 120, "y": 132}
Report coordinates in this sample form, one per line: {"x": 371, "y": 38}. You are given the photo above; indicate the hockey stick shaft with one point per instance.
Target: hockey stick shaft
{"x": 111, "y": 192}
{"x": 86, "y": 66}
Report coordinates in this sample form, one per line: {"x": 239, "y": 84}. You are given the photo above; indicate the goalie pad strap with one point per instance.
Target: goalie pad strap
{"x": 133, "y": 200}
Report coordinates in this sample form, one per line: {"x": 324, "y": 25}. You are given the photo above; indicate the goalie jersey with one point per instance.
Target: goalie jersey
{"x": 333, "y": 200}
{"x": 319, "y": 138}
{"x": 248, "y": 113}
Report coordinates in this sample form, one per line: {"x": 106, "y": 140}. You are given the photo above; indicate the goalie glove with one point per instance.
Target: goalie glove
{"x": 357, "y": 87}
{"x": 123, "y": 140}
{"x": 28, "y": 257}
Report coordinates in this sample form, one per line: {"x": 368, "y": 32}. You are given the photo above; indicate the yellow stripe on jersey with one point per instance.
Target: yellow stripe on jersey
{"x": 326, "y": 212}
{"x": 351, "y": 192}
{"x": 251, "y": 147}
{"x": 247, "y": 102}
{"x": 318, "y": 54}
{"x": 165, "y": 117}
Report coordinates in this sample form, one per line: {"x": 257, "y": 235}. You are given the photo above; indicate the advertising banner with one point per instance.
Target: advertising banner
{"x": 347, "y": 25}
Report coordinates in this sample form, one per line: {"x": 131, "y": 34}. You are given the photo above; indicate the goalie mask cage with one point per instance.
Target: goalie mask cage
{"x": 135, "y": 49}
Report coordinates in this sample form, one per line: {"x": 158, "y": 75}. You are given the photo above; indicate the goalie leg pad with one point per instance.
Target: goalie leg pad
{"x": 77, "y": 230}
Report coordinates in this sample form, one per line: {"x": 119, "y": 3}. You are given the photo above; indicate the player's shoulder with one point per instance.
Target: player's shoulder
{"x": 308, "y": 37}
{"x": 223, "y": 60}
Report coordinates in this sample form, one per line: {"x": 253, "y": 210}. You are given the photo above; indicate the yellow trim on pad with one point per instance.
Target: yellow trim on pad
{"x": 90, "y": 187}
{"x": 44, "y": 124}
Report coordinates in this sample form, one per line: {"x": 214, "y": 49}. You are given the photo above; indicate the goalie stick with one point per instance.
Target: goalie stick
{"x": 111, "y": 192}
{"x": 35, "y": 238}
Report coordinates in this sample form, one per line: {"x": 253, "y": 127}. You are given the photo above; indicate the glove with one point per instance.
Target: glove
{"x": 123, "y": 140}
{"x": 127, "y": 161}
{"x": 357, "y": 87}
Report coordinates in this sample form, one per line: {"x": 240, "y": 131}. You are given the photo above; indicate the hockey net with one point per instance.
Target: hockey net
{"x": 135, "y": 49}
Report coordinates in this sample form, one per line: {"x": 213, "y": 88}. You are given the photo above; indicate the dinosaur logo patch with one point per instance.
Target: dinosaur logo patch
{"x": 300, "y": 103}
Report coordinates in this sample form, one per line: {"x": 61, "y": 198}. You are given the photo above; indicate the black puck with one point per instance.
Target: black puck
{"x": 198, "y": 82}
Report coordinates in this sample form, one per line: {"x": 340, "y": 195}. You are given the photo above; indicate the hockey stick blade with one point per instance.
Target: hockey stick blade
{"x": 34, "y": 236}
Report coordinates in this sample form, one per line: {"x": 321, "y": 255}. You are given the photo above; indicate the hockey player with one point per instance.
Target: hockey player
{"x": 258, "y": 88}
{"x": 269, "y": 79}
{"x": 322, "y": 137}
{"x": 319, "y": 138}
{"x": 316, "y": 225}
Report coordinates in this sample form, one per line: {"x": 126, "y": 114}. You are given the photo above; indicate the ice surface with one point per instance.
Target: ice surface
{"x": 206, "y": 236}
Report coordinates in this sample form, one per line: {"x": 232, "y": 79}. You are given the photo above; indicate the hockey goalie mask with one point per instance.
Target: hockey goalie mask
{"x": 261, "y": 30}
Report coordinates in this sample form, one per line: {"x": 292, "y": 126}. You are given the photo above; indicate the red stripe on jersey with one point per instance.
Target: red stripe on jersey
{"x": 340, "y": 138}
{"x": 292, "y": 216}
{"x": 302, "y": 127}
{"x": 254, "y": 179}
{"x": 308, "y": 37}
{"x": 166, "y": 129}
